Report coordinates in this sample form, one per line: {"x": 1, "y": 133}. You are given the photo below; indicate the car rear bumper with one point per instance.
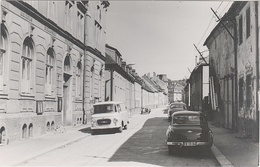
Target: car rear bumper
{"x": 181, "y": 144}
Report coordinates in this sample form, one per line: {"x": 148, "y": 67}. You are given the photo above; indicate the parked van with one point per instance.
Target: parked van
{"x": 109, "y": 115}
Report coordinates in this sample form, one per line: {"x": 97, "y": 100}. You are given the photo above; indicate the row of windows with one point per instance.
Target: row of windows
{"x": 27, "y": 67}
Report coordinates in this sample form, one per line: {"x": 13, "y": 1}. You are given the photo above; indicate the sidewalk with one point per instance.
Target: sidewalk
{"x": 20, "y": 151}
{"x": 232, "y": 151}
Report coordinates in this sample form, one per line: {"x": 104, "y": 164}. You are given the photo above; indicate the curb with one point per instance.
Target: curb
{"x": 58, "y": 146}
{"x": 222, "y": 160}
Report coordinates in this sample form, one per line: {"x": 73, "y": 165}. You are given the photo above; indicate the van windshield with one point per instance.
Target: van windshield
{"x": 105, "y": 108}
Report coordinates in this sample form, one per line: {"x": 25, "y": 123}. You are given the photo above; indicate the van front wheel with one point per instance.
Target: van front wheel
{"x": 120, "y": 129}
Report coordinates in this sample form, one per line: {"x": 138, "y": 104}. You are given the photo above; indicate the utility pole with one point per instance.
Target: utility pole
{"x": 201, "y": 54}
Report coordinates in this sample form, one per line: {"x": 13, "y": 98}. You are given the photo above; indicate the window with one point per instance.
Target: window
{"x": 79, "y": 80}
{"x": 3, "y": 54}
{"x": 67, "y": 64}
{"x": 248, "y": 90}
{"x": 68, "y": 12}
{"x": 240, "y": 30}
{"x": 27, "y": 60}
{"x": 49, "y": 76}
{"x": 104, "y": 108}
{"x": 248, "y": 22}
{"x": 80, "y": 25}
{"x": 241, "y": 92}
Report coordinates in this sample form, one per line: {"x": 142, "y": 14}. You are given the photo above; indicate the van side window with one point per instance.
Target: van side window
{"x": 118, "y": 108}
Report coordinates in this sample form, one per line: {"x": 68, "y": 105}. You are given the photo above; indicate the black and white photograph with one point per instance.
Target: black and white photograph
{"x": 153, "y": 83}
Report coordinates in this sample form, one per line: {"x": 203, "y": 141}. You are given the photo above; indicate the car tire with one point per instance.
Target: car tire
{"x": 120, "y": 129}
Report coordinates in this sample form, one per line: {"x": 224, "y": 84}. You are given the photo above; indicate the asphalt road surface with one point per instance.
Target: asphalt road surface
{"x": 142, "y": 144}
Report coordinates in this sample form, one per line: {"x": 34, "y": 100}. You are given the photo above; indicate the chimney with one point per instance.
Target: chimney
{"x": 148, "y": 75}
{"x": 154, "y": 74}
{"x": 123, "y": 65}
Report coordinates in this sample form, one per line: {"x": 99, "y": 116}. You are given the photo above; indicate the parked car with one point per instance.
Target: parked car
{"x": 188, "y": 129}
{"x": 109, "y": 115}
{"x": 145, "y": 110}
{"x": 175, "y": 106}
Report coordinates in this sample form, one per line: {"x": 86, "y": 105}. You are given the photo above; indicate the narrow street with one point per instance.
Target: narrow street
{"x": 143, "y": 143}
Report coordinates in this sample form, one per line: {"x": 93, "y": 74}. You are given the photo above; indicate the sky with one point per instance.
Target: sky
{"x": 159, "y": 36}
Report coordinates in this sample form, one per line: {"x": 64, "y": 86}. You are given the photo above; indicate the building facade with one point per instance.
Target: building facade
{"x": 234, "y": 69}
{"x": 119, "y": 81}
{"x": 44, "y": 65}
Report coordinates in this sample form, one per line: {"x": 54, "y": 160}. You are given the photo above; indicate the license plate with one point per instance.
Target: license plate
{"x": 189, "y": 144}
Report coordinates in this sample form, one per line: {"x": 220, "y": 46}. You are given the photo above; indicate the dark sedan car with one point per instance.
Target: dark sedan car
{"x": 188, "y": 129}
{"x": 175, "y": 106}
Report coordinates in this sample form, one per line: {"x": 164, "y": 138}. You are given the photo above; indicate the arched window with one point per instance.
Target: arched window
{"x": 48, "y": 126}
{"x": 27, "y": 66}
{"x": 30, "y": 130}
{"x": 49, "y": 73}
{"x": 52, "y": 125}
{"x": 24, "y": 131}
{"x": 67, "y": 64}
{"x": 2, "y": 135}
{"x": 3, "y": 55}
{"x": 79, "y": 80}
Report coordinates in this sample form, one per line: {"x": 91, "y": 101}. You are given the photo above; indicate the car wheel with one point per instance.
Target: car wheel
{"x": 120, "y": 129}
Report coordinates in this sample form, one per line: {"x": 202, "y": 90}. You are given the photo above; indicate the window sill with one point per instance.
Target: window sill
{"x": 77, "y": 99}
{"x": 48, "y": 97}
{"x": 3, "y": 95}
{"x": 26, "y": 96}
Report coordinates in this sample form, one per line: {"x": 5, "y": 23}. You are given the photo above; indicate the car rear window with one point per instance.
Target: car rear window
{"x": 105, "y": 108}
{"x": 188, "y": 120}
{"x": 177, "y": 106}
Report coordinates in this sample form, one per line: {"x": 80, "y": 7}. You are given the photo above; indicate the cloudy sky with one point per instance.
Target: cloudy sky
{"x": 158, "y": 36}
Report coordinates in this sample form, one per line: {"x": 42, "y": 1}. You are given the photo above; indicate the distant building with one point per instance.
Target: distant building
{"x": 197, "y": 88}
{"x": 119, "y": 82}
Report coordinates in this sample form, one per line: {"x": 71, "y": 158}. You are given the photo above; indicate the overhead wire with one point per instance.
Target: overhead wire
{"x": 209, "y": 24}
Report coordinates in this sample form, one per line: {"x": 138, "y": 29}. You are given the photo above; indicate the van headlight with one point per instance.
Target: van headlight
{"x": 115, "y": 121}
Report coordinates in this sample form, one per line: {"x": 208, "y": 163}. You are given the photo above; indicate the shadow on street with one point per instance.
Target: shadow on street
{"x": 98, "y": 132}
{"x": 148, "y": 146}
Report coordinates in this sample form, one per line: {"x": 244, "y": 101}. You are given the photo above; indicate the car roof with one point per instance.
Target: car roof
{"x": 187, "y": 113}
{"x": 177, "y": 103}
{"x": 108, "y": 102}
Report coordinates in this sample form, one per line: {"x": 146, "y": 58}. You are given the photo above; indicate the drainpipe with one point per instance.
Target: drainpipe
{"x": 84, "y": 71}
{"x": 235, "y": 114}
{"x": 257, "y": 67}
{"x": 111, "y": 85}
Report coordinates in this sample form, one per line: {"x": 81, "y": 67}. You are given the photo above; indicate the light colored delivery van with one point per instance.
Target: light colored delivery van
{"x": 109, "y": 115}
